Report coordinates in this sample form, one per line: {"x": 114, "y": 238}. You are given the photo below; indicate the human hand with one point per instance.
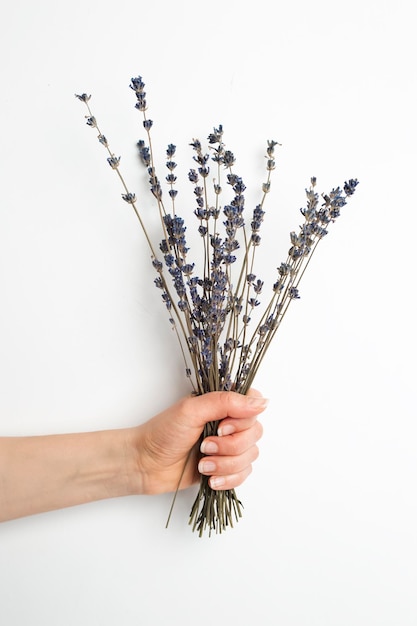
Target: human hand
{"x": 43, "y": 473}
{"x": 169, "y": 442}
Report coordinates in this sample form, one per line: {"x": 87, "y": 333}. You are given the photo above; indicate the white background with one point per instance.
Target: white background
{"x": 328, "y": 534}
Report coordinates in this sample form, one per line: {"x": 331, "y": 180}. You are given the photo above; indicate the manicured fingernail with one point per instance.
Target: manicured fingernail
{"x": 258, "y": 403}
{"x": 227, "y": 429}
{"x": 216, "y": 482}
{"x": 209, "y": 447}
{"x": 205, "y": 467}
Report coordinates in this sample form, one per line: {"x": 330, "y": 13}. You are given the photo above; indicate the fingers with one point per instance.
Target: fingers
{"x": 233, "y": 444}
{"x": 229, "y": 458}
{"x": 228, "y": 472}
{"x": 230, "y": 454}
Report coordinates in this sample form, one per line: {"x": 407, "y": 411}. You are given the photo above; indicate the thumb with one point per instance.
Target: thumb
{"x": 217, "y": 405}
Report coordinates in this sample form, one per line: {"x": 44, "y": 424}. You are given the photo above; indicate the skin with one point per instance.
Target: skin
{"x": 39, "y": 474}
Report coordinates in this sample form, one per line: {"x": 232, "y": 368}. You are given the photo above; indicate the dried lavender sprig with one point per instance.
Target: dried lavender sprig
{"x": 303, "y": 247}
{"x": 257, "y": 219}
{"x": 114, "y": 163}
{"x": 130, "y": 198}
{"x": 171, "y": 178}
{"x": 199, "y": 176}
{"x": 138, "y": 86}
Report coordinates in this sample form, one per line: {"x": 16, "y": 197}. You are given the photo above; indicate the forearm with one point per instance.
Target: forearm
{"x": 44, "y": 473}
{"x": 39, "y": 474}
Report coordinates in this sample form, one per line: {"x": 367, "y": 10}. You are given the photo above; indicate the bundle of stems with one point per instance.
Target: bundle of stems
{"x": 214, "y": 304}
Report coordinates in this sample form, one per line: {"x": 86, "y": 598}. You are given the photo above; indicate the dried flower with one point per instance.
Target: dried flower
{"x": 212, "y": 300}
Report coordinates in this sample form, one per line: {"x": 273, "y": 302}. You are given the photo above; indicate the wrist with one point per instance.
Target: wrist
{"x": 135, "y": 472}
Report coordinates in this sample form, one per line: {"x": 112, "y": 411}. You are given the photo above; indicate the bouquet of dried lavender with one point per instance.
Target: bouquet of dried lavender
{"x": 214, "y": 302}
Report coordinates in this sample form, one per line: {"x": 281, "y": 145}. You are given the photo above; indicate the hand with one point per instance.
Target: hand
{"x": 169, "y": 442}
{"x": 48, "y": 472}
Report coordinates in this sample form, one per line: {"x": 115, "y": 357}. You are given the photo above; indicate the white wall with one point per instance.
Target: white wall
{"x": 328, "y": 534}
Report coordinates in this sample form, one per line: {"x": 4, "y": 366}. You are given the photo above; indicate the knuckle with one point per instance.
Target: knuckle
{"x": 258, "y": 430}
{"x": 240, "y": 478}
{"x": 185, "y": 405}
{"x": 232, "y": 465}
{"x": 234, "y": 447}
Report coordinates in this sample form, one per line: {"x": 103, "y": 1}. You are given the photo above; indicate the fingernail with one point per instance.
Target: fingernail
{"x": 205, "y": 467}
{"x": 227, "y": 429}
{"x": 257, "y": 403}
{"x": 216, "y": 482}
{"x": 209, "y": 447}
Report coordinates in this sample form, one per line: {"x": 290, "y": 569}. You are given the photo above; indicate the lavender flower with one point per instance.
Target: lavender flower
{"x": 224, "y": 315}
{"x": 138, "y": 87}
{"x": 128, "y": 197}
{"x": 113, "y": 161}
{"x": 83, "y": 97}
